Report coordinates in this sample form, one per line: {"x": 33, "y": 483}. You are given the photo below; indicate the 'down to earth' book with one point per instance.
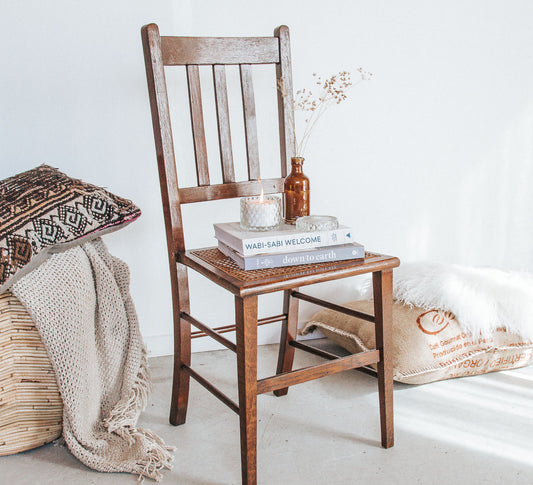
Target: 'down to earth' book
{"x": 275, "y": 260}
{"x": 284, "y": 239}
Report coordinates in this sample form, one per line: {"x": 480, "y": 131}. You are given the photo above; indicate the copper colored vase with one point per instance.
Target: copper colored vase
{"x": 296, "y": 192}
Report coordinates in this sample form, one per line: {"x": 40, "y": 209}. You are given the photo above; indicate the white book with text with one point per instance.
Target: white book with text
{"x": 285, "y": 238}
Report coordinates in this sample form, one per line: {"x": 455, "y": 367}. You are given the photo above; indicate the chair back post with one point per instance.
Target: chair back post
{"x": 287, "y": 135}
{"x": 166, "y": 163}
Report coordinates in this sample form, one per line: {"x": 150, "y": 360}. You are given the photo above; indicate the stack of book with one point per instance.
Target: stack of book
{"x": 285, "y": 246}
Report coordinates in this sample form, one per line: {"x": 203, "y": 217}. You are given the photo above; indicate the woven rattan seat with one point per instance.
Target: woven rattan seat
{"x": 190, "y": 53}
{"x": 212, "y": 261}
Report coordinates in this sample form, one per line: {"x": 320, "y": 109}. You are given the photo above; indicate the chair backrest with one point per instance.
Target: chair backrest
{"x": 217, "y": 52}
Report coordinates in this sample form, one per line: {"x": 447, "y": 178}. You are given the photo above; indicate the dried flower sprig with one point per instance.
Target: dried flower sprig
{"x": 332, "y": 90}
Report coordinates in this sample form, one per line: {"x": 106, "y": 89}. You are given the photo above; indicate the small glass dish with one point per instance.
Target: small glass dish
{"x": 316, "y": 223}
{"x": 260, "y": 213}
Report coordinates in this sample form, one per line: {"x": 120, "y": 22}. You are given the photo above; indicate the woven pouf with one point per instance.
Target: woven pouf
{"x": 30, "y": 405}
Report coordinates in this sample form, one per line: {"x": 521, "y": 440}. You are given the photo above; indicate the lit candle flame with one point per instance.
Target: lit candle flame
{"x": 261, "y": 196}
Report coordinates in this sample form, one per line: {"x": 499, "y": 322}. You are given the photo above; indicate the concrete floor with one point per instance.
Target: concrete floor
{"x": 475, "y": 430}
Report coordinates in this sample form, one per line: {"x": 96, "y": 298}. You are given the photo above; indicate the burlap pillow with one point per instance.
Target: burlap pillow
{"x": 427, "y": 345}
{"x": 44, "y": 210}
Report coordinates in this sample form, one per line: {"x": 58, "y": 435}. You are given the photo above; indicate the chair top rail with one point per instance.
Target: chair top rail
{"x": 219, "y": 50}
{"x": 245, "y": 188}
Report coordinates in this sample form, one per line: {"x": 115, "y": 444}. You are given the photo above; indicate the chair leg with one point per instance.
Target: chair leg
{"x": 182, "y": 346}
{"x": 382, "y": 282}
{"x": 246, "y": 323}
{"x": 288, "y": 332}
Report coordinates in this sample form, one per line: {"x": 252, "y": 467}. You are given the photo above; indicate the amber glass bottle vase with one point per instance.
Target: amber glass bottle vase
{"x": 296, "y": 192}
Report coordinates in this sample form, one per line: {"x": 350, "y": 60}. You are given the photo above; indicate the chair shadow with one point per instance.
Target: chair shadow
{"x": 321, "y": 431}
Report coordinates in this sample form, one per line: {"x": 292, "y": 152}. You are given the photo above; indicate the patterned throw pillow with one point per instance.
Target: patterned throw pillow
{"x": 43, "y": 210}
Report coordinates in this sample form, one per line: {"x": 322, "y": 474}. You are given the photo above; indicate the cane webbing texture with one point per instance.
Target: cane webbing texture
{"x": 214, "y": 257}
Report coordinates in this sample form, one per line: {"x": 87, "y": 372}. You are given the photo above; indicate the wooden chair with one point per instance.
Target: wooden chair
{"x": 246, "y": 286}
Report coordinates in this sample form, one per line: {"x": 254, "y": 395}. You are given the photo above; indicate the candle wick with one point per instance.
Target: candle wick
{"x": 261, "y": 197}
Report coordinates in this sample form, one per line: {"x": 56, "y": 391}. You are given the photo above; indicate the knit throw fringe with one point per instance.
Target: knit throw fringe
{"x": 79, "y": 300}
{"x": 122, "y": 421}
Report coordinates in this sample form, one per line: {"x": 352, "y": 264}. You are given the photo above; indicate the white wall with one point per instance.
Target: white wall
{"x": 432, "y": 159}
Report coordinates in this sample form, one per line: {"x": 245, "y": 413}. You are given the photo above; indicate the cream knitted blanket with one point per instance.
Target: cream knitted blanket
{"x": 79, "y": 300}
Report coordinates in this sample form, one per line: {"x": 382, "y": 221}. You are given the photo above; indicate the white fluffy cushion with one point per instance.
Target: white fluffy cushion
{"x": 482, "y": 299}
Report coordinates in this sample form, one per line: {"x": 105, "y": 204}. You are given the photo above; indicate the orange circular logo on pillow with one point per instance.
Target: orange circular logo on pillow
{"x": 434, "y": 321}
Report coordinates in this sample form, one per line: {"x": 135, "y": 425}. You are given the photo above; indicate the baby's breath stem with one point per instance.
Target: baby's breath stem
{"x": 332, "y": 90}
{"x": 312, "y": 122}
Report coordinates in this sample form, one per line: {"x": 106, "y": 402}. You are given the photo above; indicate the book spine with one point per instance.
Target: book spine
{"x": 263, "y": 261}
{"x": 290, "y": 242}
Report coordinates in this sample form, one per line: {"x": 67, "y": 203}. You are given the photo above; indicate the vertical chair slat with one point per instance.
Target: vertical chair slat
{"x": 250, "y": 123}
{"x": 224, "y": 133}
{"x": 197, "y": 122}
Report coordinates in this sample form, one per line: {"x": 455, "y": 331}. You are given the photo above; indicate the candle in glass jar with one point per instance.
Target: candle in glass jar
{"x": 260, "y": 213}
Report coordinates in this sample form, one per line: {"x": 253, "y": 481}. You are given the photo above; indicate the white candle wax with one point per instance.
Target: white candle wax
{"x": 260, "y": 214}
{"x": 265, "y": 212}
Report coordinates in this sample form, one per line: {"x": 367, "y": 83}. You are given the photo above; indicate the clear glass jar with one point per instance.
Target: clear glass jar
{"x": 317, "y": 223}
